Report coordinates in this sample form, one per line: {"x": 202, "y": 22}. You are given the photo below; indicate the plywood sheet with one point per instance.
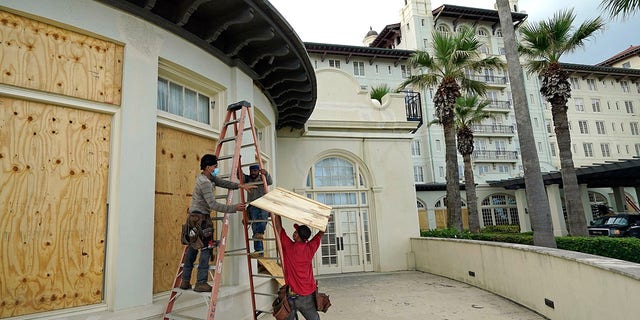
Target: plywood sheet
{"x": 295, "y": 207}
{"x": 54, "y": 164}
{"x": 177, "y": 165}
{"x": 274, "y": 269}
{"x": 44, "y": 57}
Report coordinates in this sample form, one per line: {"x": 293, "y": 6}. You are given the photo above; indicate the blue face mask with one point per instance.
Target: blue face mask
{"x": 215, "y": 172}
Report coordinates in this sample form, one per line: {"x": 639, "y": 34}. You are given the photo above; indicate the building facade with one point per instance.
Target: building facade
{"x": 603, "y": 105}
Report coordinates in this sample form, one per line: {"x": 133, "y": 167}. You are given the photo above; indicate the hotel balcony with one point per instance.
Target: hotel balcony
{"x": 494, "y": 156}
{"x": 492, "y": 81}
{"x": 493, "y": 130}
{"x": 499, "y": 106}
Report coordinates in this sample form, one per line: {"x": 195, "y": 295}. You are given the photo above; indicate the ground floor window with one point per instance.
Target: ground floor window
{"x": 499, "y": 209}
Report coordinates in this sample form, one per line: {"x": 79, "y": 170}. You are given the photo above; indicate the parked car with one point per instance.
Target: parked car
{"x": 618, "y": 225}
{"x": 599, "y": 221}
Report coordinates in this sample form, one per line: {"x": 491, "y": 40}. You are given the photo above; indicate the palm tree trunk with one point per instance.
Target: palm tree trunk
{"x": 472, "y": 199}
{"x": 572, "y": 200}
{"x": 454, "y": 211}
{"x": 538, "y": 204}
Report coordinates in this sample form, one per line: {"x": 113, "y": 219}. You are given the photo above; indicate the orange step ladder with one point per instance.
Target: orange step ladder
{"x": 234, "y": 129}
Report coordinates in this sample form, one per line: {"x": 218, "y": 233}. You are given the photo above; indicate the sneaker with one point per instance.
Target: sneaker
{"x": 185, "y": 285}
{"x": 202, "y": 287}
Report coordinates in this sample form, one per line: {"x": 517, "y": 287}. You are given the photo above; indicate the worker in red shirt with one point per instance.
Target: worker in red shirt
{"x": 298, "y": 269}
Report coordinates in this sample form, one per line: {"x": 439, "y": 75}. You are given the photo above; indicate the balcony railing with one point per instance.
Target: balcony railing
{"x": 497, "y": 129}
{"x": 494, "y": 155}
{"x": 498, "y": 105}
{"x": 413, "y": 106}
{"x": 500, "y": 80}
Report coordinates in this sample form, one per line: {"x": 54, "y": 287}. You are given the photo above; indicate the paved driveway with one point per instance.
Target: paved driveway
{"x": 414, "y": 295}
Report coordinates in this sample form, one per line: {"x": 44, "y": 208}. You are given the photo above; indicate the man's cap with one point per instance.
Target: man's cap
{"x": 254, "y": 167}
{"x": 208, "y": 160}
{"x": 303, "y": 231}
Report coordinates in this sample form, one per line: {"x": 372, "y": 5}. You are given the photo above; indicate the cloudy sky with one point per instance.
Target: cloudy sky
{"x": 347, "y": 21}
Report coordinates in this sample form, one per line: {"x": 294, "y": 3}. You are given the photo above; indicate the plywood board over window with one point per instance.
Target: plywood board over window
{"x": 295, "y": 207}
{"x": 53, "y": 189}
{"x": 177, "y": 165}
{"x": 43, "y": 57}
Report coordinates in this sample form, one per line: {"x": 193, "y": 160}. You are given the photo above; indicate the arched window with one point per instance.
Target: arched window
{"x": 499, "y": 209}
{"x": 338, "y": 182}
{"x": 499, "y": 33}
{"x": 443, "y": 28}
{"x": 482, "y": 32}
{"x": 599, "y": 204}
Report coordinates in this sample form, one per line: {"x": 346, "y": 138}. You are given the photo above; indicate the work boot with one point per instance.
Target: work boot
{"x": 185, "y": 285}
{"x": 259, "y": 236}
{"x": 202, "y": 287}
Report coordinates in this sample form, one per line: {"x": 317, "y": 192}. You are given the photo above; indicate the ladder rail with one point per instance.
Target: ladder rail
{"x": 234, "y": 123}
{"x": 264, "y": 183}
{"x": 222, "y": 244}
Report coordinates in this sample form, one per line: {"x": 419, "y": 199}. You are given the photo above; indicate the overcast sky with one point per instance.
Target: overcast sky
{"x": 347, "y": 21}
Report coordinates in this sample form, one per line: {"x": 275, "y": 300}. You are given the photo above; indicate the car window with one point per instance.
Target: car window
{"x": 617, "y": 221}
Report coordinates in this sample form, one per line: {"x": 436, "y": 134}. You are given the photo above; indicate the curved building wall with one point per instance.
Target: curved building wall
{"x": 111, "y": 236}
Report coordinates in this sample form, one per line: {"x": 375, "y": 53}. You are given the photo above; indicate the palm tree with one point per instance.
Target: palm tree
{"x": 380, "y": 91}
{"x": 452, "y": 55}
{"x": 537, "y": 201}
{"x": 543, "y": 44}
{"x": 625, "y": 8}
{"x": 468, "y": 111}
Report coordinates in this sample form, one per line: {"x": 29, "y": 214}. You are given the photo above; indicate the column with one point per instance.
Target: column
{"x": 584, "y": 195}
{"x": 523, "y": 210}
{"x": 618, "y": 199}
{"x": 557, "y": 216}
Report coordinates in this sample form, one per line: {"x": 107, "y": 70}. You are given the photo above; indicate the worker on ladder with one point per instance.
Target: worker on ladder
{"x": 202, "y": 203}
{"x": 256, "y": 215}
{"x": 298, "y": 268}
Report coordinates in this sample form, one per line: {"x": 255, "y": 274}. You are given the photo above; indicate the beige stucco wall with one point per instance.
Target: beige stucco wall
{"x": 347, "y": 124}
{"x": 581, "y": 286}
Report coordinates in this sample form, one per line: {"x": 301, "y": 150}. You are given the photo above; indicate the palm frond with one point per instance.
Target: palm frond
{"x": 615, "y": 8}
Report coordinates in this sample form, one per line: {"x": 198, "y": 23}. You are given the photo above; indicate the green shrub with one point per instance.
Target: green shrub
{"x": 510, "y": 228}
{"x": 618, "y": 248}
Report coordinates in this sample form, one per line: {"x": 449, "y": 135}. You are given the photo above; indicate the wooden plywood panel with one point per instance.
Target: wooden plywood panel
{"x": 295, "y": 207}
{"x": 423, "y": 222}
{"x": 177, "y": 165}
{"x": 40, "y": 56}
{"x": 441, "y": 218}
{"x": 53, "y": 187}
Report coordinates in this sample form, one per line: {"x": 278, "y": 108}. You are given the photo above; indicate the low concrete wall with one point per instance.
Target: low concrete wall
{"x": 556, "y": 283}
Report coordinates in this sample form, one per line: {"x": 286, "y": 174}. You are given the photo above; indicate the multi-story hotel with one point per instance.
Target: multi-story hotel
{"x": 106, "y": 107}
{"x": 603, "y": 110}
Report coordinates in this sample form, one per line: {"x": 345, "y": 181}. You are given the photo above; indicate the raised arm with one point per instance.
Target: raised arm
{"x": 277, "y": 223}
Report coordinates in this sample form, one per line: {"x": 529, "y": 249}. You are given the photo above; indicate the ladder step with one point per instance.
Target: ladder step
{"x": 225, "y": 157}
{"x": 268, "y": 294}
{"x": 230, "y": 122}
{"x": 180, "y": 317}
{"x": 259, "y": 220}
{"x": 231, "y": 138}
{"x": 267, "y": 276}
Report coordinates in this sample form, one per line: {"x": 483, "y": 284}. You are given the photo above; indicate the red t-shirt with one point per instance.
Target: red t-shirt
{"x": 298, "y": 269}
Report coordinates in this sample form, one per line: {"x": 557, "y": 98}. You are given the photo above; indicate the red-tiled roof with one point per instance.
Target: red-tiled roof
{"x": 631, "y": 51}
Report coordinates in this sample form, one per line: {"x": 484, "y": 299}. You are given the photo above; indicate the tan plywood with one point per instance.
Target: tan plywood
{"x": 53, "y": 189}
{"x": 177, "y": 164}
{"x": 295, "y": 207}
{"x": 43, "y": 57}
{"x": 273, "y": 269}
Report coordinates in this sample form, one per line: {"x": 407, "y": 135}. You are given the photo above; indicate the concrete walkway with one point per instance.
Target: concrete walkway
{"x": 414, "y": 295}
{"x": 406, "y": 295}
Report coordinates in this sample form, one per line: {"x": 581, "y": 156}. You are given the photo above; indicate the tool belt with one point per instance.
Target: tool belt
{"x": 197, "y": 230}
